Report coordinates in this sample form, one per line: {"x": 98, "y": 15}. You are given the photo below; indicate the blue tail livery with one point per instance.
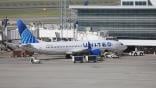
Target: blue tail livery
{"x": 26, "y": 36}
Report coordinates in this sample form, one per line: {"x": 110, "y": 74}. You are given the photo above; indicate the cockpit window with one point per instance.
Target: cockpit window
{"x": 122, "y": 44}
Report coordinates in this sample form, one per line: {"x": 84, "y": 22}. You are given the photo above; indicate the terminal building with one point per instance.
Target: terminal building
{"x": 131, "y": 20}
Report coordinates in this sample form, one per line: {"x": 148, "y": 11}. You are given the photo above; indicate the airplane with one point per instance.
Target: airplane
{"x": 31, "y": 43}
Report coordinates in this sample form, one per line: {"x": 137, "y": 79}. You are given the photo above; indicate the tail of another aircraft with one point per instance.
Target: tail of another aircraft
{"x": 26, "y": 36}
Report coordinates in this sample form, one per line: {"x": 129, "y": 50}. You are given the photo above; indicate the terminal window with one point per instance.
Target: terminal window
{"x": 140, "y": 3}
{"x": 127, "y": 3}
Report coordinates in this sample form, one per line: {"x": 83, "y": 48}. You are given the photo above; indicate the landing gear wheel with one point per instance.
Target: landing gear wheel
{"x": 135, "y": 54}
{"x": 141, "y": 54}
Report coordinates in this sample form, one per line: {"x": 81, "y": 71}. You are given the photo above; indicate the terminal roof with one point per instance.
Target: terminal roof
{"x": 110, "y": 7}
{"x": 139, "y": 42}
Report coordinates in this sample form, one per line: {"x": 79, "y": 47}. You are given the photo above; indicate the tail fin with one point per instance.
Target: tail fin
{"x": 25, "y": 34}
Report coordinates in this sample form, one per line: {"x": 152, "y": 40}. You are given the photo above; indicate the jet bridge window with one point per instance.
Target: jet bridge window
{"x": 140, "y": 3}
{"x": 128, "y": 3}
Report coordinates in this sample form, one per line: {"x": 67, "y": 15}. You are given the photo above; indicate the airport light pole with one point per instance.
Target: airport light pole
{"x": 63, "y": 15}
{"x": 4, "y": 29}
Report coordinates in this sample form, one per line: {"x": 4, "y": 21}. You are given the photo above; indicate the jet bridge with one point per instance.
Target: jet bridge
{"x": 148, "y": 46}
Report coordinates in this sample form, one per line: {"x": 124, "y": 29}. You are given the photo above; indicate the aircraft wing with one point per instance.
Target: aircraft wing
{"x": 78, "y": 50}
{"x": 86, "y": 51}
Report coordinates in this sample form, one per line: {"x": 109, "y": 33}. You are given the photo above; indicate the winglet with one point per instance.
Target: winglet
{"x": 93, "y": 51}
{"x": 89, "y": 48}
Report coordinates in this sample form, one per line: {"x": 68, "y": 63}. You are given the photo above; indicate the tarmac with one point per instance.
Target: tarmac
{"x": 57, "y": 72}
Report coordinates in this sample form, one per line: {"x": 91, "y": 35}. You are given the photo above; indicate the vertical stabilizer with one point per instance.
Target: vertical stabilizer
{"x": 26, "y": 36}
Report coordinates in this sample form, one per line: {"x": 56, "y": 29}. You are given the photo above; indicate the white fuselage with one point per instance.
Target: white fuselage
{"x": 75, "y": 46}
